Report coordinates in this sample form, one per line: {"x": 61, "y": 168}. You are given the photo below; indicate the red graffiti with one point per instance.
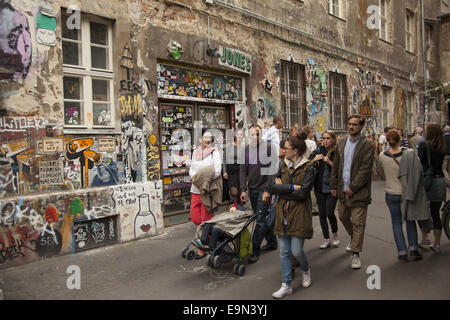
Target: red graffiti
{"x": 51, "y": 214}
{"x": 145, "y": 228}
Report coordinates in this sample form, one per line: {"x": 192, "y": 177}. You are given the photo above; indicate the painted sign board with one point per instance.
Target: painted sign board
{"x": 235, "y": 59}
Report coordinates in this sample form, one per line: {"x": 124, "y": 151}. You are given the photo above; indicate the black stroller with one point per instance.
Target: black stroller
{"x": 231, "y": 250}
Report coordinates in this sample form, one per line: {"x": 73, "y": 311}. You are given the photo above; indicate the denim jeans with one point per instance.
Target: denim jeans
{"x": 294, "y": 245}
{"x": 261, "y": 210}
{"x": 394, "y": 203}
{"x": 211, "y": 235}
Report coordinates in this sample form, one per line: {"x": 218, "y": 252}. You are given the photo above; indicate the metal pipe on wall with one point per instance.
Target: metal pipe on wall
{"x": 424, "y": 65}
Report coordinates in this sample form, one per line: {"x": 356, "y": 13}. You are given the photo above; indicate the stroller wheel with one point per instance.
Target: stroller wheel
{"x": 183, "y": 253}
{"x": 216, "y": 262}
{"x": 209, "y": 260}
{"x": 235, "y": 268}
{"x": 190, "y": 255}
{"x": 241, "y": 270}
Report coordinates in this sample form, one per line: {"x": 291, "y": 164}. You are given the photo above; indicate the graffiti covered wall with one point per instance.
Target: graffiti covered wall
{"x": 44, "y": 226}
{"x": 316, "y": 97}
{"x": 366, "y": 100}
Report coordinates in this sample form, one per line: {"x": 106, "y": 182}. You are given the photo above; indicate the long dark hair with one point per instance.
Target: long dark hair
{"x": 436, "y": 137}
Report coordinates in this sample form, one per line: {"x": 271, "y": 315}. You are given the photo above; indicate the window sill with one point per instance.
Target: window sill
{"x": 337, "y": 17}
{"x": 385, "y": 41}
{"x": 90, "y": 131}
{"x": 411, "y": 53}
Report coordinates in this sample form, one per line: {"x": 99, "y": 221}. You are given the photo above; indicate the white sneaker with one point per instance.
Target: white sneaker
{"x": 284, "y": 291}
{"x": 326, "y": 244}
{"x": 348, "y": 248}
{"x": 306, "y": 281}
{"x": 335, "y": 241}
{"x": 356, "y": 262}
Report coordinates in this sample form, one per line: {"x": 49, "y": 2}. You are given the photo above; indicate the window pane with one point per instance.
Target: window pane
{"x": 99, "y": 58}
{"x": 66, "y": 32}
{"x": 73, "y": 88}
{"x": 336, "y": 7}
{"x": 100, "y": 90}
{"x": 99, "y": 33}
{"x": 102, "y": 114}
{"x": 73, "y": 113}
{"x": 71, "y": 54}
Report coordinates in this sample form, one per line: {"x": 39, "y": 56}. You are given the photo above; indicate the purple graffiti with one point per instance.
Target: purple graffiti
{"x": 15, "y": 43}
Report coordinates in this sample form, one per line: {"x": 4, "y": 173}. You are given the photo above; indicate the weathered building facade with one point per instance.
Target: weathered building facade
{"x": 97, "y": 97}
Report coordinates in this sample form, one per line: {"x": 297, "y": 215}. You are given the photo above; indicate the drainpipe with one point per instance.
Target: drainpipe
{"x": 424, "y": 64}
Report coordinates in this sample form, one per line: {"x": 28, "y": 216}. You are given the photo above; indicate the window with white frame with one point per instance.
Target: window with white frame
{"x": 429, "y": 42}
{"x": 338, "y": 101}
{"x": 409, "y": 31}
{"x": 385, "y": 20}
{"x": 385, "y": 106}
{"x": 88, "y": 73}
{"x": 293, "y": 96}
{"x": 334, "y": 8}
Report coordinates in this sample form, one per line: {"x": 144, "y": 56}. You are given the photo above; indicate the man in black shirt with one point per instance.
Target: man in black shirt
{"x": 256, "y": 174}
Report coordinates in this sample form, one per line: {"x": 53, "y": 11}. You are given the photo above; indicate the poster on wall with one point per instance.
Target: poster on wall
{"x": 50, "y": 145}
{"x": 51, "y": 172}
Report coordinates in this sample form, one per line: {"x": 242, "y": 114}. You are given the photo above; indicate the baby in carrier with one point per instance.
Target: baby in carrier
{"x": 211, "y": 235}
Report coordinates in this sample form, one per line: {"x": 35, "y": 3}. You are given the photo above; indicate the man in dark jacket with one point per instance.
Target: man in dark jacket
{"x": 256, "y": 174}
{"x": 351, "y": 180}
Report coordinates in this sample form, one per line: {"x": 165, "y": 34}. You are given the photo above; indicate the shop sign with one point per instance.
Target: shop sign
{"x": 235, "y": 59}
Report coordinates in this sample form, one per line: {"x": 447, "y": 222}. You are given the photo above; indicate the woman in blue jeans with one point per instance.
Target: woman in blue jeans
{"x": 293, "y": 220}
{"x": 390, "y": 162}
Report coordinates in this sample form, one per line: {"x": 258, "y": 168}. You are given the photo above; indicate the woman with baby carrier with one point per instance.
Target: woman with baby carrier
{"x": 293, "y": 223}
{"x": 203, "y": 157}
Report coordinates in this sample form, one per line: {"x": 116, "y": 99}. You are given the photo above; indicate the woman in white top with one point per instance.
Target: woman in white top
{"x": 204, "y": 156}
{"x": 390, "y": 162}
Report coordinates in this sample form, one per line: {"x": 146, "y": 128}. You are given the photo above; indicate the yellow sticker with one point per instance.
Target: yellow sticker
{"x": 168, "y": 180}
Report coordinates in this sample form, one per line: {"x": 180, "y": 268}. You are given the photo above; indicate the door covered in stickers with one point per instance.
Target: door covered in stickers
{"x": 178, "y": 141}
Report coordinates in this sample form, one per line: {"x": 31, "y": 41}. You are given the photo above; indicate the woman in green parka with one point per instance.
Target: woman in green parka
{"x": 293, "y": 223}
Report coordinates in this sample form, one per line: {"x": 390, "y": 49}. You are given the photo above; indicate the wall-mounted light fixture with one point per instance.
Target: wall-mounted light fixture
{"x": 213, "y": 52}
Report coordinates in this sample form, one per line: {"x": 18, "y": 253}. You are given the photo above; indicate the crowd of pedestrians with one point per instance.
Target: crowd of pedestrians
{"x": 318, "y": 176}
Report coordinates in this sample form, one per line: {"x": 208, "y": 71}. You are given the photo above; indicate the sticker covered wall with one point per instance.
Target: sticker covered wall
{"x": 366, "y": 99}
{"x": 176, "y": 82}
